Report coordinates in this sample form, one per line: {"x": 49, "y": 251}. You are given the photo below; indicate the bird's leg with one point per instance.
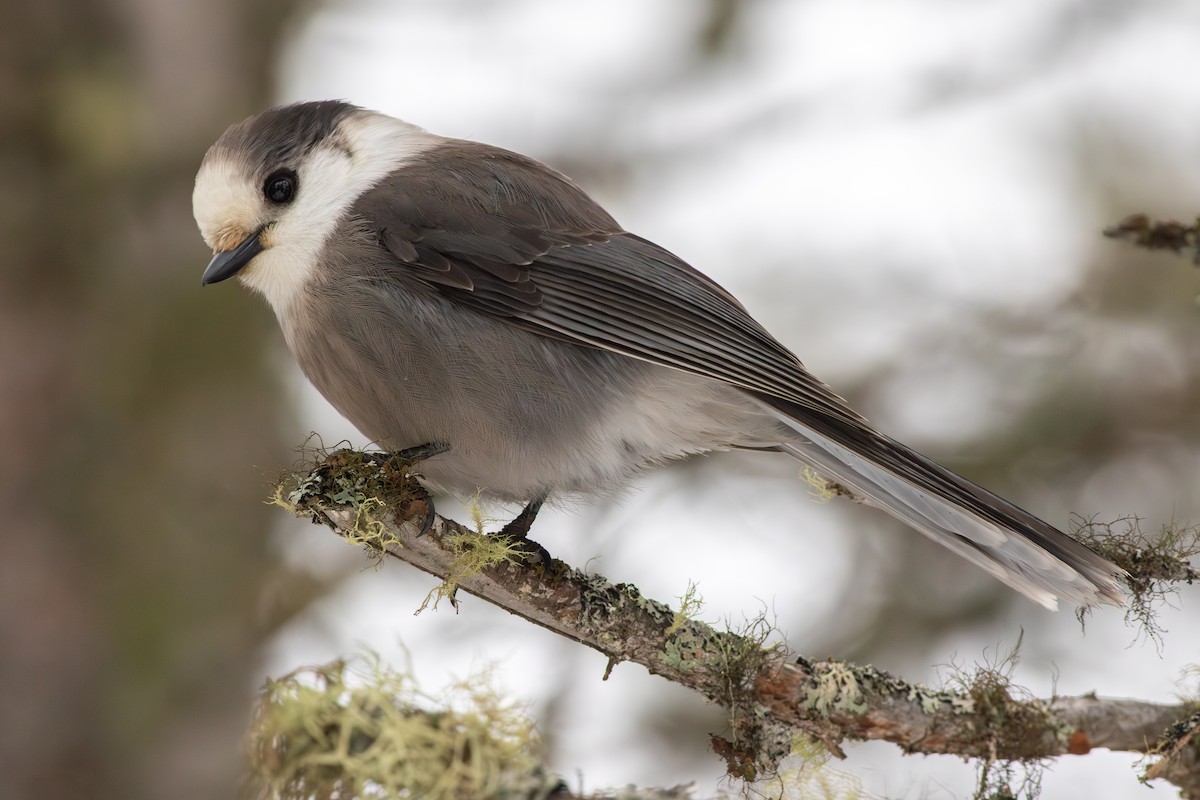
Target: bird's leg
{"x": 517, "y": 531}
{"x": 422, "y": 452}
{"x": 519, "y": 527}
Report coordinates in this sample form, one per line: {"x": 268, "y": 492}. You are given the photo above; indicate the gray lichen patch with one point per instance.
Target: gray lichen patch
{"x": 372, "y": 487}
{"x": 841, "y": 688}
{"x": 618, "y": 614}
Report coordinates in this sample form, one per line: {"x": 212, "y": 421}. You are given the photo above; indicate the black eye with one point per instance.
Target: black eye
{"x": 281, "y": 186}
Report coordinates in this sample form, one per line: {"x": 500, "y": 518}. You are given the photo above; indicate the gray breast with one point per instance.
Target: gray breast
{"x": 407, "y": 367}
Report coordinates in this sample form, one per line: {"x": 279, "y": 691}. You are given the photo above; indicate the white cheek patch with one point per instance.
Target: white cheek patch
{"x": 330, "y": 181}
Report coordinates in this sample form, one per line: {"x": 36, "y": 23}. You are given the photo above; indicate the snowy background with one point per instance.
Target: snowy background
{"x": 908, "y": 194}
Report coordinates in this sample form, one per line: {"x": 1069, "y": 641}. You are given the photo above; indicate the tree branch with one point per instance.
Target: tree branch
{"x": 770, "y": 693}
{"x": 1183, "y": 240}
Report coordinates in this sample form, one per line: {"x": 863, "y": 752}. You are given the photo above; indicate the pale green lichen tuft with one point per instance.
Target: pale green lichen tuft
{"x": 690, "y": 603}
{"x": 819, "y": 486}
{"x": 473, "y": 553}
{"x": 359, "y": 730}
{"x": 806, "y": 774}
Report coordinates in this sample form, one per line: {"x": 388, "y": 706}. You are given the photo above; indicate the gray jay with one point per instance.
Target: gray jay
{"x": 447, "y": 293}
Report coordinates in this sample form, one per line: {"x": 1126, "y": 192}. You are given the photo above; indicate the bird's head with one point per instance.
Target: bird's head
{"x": 274, "y": 187}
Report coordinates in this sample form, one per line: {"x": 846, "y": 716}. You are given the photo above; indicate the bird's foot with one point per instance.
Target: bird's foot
{"x": 517, "y": 532}
{"x": 408, "y": 458}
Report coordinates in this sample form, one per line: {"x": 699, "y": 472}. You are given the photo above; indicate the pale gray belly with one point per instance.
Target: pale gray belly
{"x": 524, "y": 415}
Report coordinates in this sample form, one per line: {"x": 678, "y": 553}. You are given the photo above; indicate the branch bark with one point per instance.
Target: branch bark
{"x": 770, "y": 693}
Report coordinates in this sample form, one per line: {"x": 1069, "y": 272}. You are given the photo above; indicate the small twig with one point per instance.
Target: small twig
{"x": 1181, "y": 239}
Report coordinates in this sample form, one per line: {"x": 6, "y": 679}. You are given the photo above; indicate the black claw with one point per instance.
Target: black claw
{"x": 533, "y": 552}
{"x": 430, "y": 514}
{"x": 517, "y": 531}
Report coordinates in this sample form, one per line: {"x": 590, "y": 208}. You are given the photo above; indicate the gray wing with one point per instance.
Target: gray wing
{"x": 508, "y": 236}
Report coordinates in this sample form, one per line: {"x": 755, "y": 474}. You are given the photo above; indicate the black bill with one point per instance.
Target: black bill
{"x": 227, "y": 264}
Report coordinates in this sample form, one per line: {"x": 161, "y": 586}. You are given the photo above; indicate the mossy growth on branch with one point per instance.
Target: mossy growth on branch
{"x": 374, "y": 486}
{"x": 1016, "y": 726}
{"x": 733, "y": 660}
{"x": 1155, "y": 563}
{"x": 355, "y": 729}
{"x": 690, "y": 603}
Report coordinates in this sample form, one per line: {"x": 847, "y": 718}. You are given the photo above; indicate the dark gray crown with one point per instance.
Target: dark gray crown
{"x": 282, "y": 136}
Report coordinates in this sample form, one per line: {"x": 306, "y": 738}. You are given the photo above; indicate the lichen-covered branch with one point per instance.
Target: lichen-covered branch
{"x": 771, "y": 694}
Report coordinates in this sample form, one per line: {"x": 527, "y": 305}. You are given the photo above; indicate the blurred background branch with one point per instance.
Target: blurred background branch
{"x": 1180, "y": 239}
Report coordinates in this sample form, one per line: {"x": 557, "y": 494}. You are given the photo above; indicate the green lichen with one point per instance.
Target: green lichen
{"x": 836, "y": 688}
{"x": 604, "y": 607}
{"x": 684, "y": 652}
{"x": 1173, "y": 746}
{"x": 819, "y": 486}
{"x": 933, "y": 701}
{"x": 356, "y": 729}
{"x": 824, "y": 489}
{"x": 690, "y": 603}
{"x": 473, "y": 553}
{"x": 806, "y": 774}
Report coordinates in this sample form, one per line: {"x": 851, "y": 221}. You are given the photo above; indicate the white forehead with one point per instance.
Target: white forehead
{"x": 228, "y": 203}
{"x": 224, "y": 201}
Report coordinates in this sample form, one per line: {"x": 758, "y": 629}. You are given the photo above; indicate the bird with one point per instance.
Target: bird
{"x": 454, "y": 296}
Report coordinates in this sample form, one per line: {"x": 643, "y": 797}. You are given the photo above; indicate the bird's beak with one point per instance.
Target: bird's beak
{"x": 227, "y": 264}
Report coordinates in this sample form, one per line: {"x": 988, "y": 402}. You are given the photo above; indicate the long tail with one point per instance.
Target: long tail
{"x": 1030, "y": 555}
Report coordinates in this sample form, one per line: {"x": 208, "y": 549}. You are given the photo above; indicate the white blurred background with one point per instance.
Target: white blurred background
{"x": 910, "y": 195}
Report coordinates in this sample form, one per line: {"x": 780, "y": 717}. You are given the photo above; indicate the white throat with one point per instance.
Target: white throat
{"x": 331, "y": 180}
